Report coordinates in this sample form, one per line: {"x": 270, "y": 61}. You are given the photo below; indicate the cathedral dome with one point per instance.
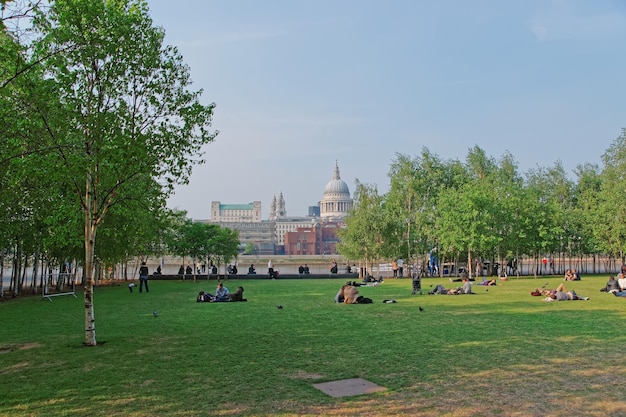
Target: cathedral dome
{"x": 336, "y": 185}
{"x": 336, "y": 202}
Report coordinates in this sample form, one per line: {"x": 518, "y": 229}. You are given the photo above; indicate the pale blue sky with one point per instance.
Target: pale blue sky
{"x": 300, "y": 84}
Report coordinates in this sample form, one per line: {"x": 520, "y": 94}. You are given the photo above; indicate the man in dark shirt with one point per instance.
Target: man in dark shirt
{"x": 143, "y": 277}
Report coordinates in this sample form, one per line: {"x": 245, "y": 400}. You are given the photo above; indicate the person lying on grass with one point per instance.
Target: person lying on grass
{"x": 544, "y": 292}
{"x": 562, "y": 294}
{"x": 205, "y": 297}
{"x": 465, "y": 289}
{"x": 486, "y": 282}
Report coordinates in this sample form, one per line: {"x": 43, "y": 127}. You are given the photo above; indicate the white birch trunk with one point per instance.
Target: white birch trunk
{"x": 90, "y": 236}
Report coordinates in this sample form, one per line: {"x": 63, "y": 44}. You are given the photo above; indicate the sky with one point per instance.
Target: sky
{"x": 300, "y": 85}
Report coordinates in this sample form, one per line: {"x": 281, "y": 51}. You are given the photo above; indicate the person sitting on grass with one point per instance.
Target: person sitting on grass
{"x": 333, "y": 267}
{"x": 621, "y": 292}
{"x": 562, "y": 294}
{"x": 467, "y": 286}
{"x": 340, "y": 297}
{"x": 237, "y": 295}
{"x": 370, "y": 278}
{"x": 621, "y": 280}
{"x": 611, "y": 285}
{"x": 350, "y": 294}
{"x": 221, "y": 293}
{"x": 568, "y": 275}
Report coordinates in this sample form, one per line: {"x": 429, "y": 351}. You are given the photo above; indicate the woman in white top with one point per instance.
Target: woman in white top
{"x": 621, "y": 280}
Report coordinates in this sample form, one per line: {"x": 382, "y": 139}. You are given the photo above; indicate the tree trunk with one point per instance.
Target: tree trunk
{"x": 1, "y": 273}
{"x": 90, "y": 240}
{"x": 23, "y": 269}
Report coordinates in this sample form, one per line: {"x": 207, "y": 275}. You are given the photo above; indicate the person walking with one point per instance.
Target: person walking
{"x": 143, "y": 277}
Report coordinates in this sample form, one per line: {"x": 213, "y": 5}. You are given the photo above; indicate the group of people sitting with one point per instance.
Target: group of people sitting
{"x": 304, "y": 269}
{"x": 370, "y": 280}
{"x": 571, "y": 275}
{"x": 617, "y": 286}
{"x": 221, "y": 295}
{"x": 349, "y": 294}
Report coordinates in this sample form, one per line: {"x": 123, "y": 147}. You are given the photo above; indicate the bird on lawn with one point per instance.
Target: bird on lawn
{"x": 279, "y": 307}
{"x": 155, "y": 313}
{"x": 421, "y": 309}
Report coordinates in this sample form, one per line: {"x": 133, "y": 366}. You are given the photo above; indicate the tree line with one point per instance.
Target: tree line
{"x": 484, "y": 209}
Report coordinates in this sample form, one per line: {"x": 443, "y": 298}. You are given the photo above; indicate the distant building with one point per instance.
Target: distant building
{"x": 314, "y": 234}
{"x": 260, "y": 235}
{"x": 282, "y": 223}
{"x": 277, "y": 208}
{"x": 246, "y": 218}
{"x": 336, "y": 203}
{"x": 235, "y": 213}
{"x": 318, "y": 239}
{"x": 290, "y": 224}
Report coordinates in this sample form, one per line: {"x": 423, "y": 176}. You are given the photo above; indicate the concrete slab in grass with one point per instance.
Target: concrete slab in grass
{"x": 348, "y": 387}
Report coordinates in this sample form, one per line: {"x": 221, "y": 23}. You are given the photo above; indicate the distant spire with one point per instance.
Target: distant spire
{"x": 281, "y": 210}
{"x": 273, "y": 208}
{"x": 336, "y": 174}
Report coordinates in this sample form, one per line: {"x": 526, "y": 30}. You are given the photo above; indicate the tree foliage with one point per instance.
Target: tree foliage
{"x": 364, "y": 234}
{"x": 483, "y": 208}
{"x": 206, "y": 242}
{"x": 112, "y": 121}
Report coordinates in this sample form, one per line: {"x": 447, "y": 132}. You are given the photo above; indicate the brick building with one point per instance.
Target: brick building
{"x": 318, "y": 239}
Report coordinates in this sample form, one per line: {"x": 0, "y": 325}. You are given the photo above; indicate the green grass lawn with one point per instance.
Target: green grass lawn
{"x": 500, "y": 352}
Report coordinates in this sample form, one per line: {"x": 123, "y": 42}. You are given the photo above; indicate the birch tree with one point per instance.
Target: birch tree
{"x": 364, "y": 234}
{"x": 127, "y": 110}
